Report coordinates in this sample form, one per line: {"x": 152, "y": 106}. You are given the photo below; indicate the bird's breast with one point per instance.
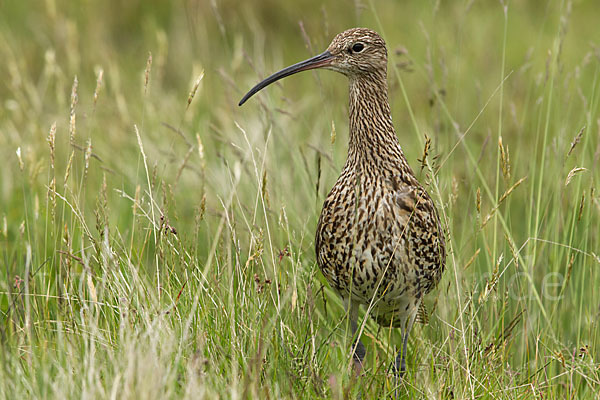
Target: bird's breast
{"x": 371, "y": 240}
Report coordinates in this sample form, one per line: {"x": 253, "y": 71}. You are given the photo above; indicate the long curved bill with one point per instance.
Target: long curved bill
{"x": 321, "y": 60}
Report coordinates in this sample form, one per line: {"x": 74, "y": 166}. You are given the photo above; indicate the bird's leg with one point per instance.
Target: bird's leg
{"x": 358, "y": 349}
{"x": 400, "y": 362}
{"x": 358, "y": 352}
{"x": 399, "y": 366}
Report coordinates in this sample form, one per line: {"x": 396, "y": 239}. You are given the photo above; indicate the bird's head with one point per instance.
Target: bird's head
{"x": 356, "y": 52}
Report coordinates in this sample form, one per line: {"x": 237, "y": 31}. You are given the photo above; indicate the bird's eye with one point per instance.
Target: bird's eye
{"x": 358, "y": 47}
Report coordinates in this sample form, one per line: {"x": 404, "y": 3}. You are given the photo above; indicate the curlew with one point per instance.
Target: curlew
{"x": 379, "y": 241}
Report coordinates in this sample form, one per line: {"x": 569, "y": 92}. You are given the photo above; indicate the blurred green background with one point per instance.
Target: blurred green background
{"x": 162, "y": 244}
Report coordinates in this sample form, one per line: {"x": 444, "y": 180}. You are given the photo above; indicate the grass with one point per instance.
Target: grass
{"x": 156, "y": 241}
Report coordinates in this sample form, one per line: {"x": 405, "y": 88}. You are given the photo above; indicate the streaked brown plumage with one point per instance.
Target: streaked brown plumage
{"x": 379, "y": 241}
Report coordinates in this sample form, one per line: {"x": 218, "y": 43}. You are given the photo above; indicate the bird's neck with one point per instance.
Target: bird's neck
{"x": 373, "y": 144}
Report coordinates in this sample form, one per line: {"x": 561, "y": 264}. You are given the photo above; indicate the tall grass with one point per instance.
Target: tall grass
{"x": 157, "y": 241}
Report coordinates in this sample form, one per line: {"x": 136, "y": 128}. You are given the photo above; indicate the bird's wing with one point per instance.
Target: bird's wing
{"x": 418, "y": 221}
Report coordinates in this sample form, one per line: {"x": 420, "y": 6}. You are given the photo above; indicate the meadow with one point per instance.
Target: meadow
{"x": 157, "y": 240}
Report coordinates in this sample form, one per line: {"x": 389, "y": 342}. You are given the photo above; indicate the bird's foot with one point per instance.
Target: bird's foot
{"x": 358, "y": 356}
{"x": 398, "y": 368}
{"x": 357, "y": 367}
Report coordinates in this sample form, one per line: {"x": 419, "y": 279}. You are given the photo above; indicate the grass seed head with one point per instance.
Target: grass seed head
{"x": 426, "y": 148}
{"x": 183, "y": 164}
{"x": 202, "y": 208}
{"x": 504, "y": 160}
{"x": 502, "y": 198}
{"x": 201, "y": 152}
{"x": 52, "y": 143}
{"x": 472, "y": 259}
{"x": 455, "y": 189}
{"x": 581, "y": 207}
{"x": 36, "y": 207}
{"x": 147, "y": 72}
{"x": 99, "y": 78}
{"x": 21, "y": 163}
{"x": 576, "y": 140}
{"x": 73, "y": 118}
{"x": 264, "y": 191}
{"x": 136, "y": 201}
{"x": 194, "y": 89}
{"x": 333, "y": 133}
{"x": 52, "y": 198}
{"x": 572, "y": 173}
{"x": 513, "y": 250}
{"x": 87, "y": 156}
{"x": 68, "y": 169}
